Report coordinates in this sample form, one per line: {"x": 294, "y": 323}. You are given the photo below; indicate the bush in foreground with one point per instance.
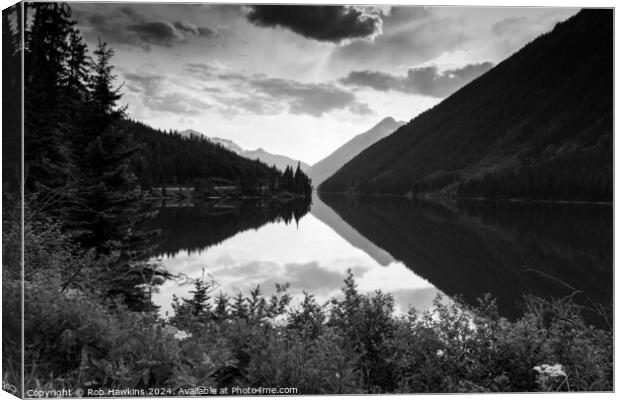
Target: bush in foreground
{"x": 79, "y": 337}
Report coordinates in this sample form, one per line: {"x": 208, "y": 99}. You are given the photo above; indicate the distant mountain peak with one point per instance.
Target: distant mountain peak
{"x": 280, "y": 161}
{"x": 330, "y": 164}
{"x": 388, "y": 123}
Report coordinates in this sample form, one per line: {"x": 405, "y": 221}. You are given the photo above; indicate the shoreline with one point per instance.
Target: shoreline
{"x": 454, "y": 199}
{"x": 188, "y": 195}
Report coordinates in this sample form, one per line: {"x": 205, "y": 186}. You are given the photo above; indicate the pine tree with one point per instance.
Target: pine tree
{"x": 221, "y": 306}
{"x": 103, "y": 94}
{"x": 303, "y": 184}
{"x": 256, "y": 303}
{"x": 238, "y": 307}
{"x": 107, "y": 202}
{"x": 199, "y": 303}
{"x": 288, "y": 180}
{"x": 11, "y": 100}
{"x": 299, "y": 179}
{"x": 45, "y": 70}
{"x": 78, "y": 68}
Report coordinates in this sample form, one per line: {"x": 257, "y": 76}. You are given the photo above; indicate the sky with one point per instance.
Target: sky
{"x": 299, "y": 80}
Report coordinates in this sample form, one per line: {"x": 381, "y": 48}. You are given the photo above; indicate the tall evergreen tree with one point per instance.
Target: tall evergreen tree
{"x": 78, "y": 70}
{"x": 45, "y": 70}
{"x": 104, "y": 96}
{"x": 11, "y": 99}
{"x": 107, "y": 204}
{"x": 301, "y": 182}
{"x": 199, "y": 303}
{"x": 288, "y": 180}
{"x": 221, "y": 306}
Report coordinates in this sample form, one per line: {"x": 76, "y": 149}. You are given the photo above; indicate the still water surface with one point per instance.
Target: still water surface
{"x": 411, "y": 249}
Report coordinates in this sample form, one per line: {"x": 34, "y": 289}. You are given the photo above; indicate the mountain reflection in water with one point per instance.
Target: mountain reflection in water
{"x": 507, "y": 249}
{"x": 411, "y": 249}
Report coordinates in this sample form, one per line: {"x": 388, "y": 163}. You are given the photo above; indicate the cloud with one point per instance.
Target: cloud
{"x": 508, "y": 25}
{"x": 177, "y": 103}
{"x": 162, "y": 33}
{"x": 426, "y": 81}
{"x": 237, "y": 92}
{"x": 309, "y": 277}
{"x": 323, "y": 23}
{"x": 305, "y": 98}
{"x": 188, "y": 27}
{"x": 401, "y": 43}
{"x": 148, "y": 84}
{"x": 260, "y": 94}
{"x": 361, "y": 109}
{"x": 420, "y": 299}
{"x": 404, "y": 14}
{"x": 151, "y": 88}
{"x": 203, "y": 70}
{"x": 128, "y": 26}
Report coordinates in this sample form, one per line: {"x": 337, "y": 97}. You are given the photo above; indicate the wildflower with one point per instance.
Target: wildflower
{"x": 73, "y": 294}
{"x": 168, "y": 330}
{"x": 180, "y": 335}
{"x": 277, "y": 321}
{"x": 174, "y": 332}
{"x": 552, "y": 371}
{"x": 280, "y": 320}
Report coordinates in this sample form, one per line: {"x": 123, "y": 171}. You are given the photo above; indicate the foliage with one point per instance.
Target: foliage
{"x": 11, "y": 98}
{"x": 579, "y": 175}
{"x": 353, "y": 344}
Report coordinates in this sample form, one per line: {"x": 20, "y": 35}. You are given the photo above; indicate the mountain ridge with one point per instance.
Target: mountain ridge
{"x": 538, "y": 125}
{"x": 324, "y": 168}
{"x": 279, "y": 160}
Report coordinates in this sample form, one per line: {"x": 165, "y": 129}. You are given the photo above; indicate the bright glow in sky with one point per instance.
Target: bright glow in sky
{"x": 279, "y": 81}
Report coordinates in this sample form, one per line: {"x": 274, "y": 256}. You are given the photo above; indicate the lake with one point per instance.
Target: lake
{"x": 409, "y": 248}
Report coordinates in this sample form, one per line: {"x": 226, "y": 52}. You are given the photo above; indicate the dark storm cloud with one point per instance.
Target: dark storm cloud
{"x": 260, "y": 94}
{"x": 324, "y": 23}
{"x": 426, "y": 81}
{"x": 127, "y": 25}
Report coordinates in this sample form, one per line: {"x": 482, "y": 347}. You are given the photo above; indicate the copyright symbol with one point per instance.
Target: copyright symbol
{"x": 79, "y": 392}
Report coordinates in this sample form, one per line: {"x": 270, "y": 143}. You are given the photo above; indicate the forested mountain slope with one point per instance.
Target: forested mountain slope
{"x": 173, "y": 158}
{"x": 538, "y": 125}
{"x": 280, "y": 161}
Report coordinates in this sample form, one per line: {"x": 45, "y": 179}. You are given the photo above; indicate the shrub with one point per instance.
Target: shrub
{"x": 79, "y": 337}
